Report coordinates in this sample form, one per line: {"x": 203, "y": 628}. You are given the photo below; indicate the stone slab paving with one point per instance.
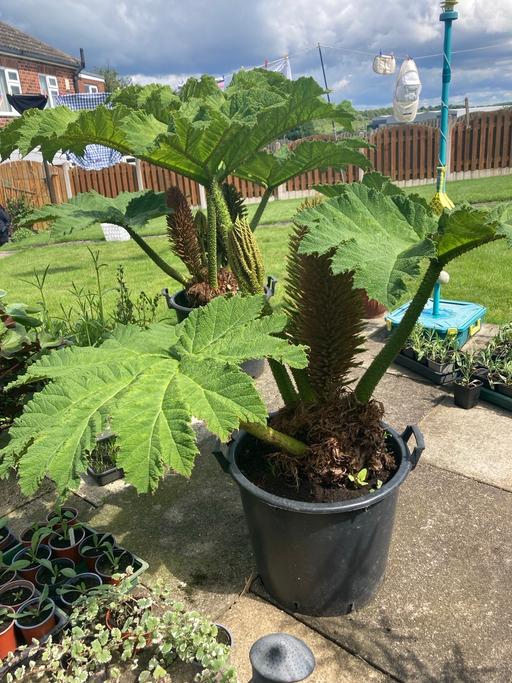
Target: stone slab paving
{"x": 444, "y": 611}
{"x": 476, "y": 443}
{"x": 191, "y": 531}
{"x": 251, "y": 618}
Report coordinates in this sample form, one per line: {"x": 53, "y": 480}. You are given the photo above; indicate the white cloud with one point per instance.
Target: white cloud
{"x": 166, "y": 40}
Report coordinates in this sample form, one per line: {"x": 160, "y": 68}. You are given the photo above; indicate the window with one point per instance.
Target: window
{"x": 91, "y": 88}
{"x": 49, "y": 87}
{"x": 9, "y": 85}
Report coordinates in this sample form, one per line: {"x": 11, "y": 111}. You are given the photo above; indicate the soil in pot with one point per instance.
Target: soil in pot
{"x": 466, "y": 396}
{"x": 90, "y": 581}
{"x": 6, "y": 576}
{"x": 26, "y": 534}
{"x": 339, "y": 446}
{"x": 91, "y": 553}
{"x": 105, "y": 569}
{"x": 16, "y": 593}
{"x": 7, "y": 538}
{"x": 67, "y": 547}
{"x": 224, "y": 636}
{"x": 45, "y": 578}
{"x": 29, "y": 573}
{"x": 8, "y": 642}
{"x": 36, "y": 625}
{"x": 68, "y": 514}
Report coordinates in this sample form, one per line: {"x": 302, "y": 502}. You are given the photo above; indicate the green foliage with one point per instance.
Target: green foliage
{"x": 204, "y": 134}
{"x": 382, "y": 239}
{"x": 147, "y": 384}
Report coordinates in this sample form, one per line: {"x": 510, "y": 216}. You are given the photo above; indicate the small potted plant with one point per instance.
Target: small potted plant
{"x": 414, "y": 344}
{"x": 36, "y": 618}
{"x": 8, "y": 569}
{"x": 77, "y": 586}
{"x": 66, "y": 539}
{"x": 466, "y": 388}
{"x": 28, "y": 533}
{"x": 92, "y": 547}
{"x": 7, "y": 538}
{"x": 113, "y": 562}
{"x": 441, "y": 354}
{"x": 54, "y": 573}
{"x": 8, "y": 642}
{"x": 15, "y": 593}
{"x": 62, "y": 515}
{"x": 102, "y": 460}
{"x": 32, "y": 555}
{"x": 504, "y": 378}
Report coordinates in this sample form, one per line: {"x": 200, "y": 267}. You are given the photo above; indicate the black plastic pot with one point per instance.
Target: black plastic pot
{"x": 442, "y": 368}
{"x": 467, "y": 396}
{"x": 409, "y": 352}
{"x": 505, "y": 389}
{"x": 178, "y": 302}
{"x": 323, "y": 558}
{"x": 107, "y": 476}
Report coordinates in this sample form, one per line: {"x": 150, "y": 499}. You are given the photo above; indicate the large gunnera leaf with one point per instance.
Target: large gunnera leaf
{"x": 147, "y": 385}
{"x": 382, "y": 239}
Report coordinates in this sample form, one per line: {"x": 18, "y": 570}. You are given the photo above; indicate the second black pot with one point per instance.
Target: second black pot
{"x": 323, "y": 558}
{"x": 467, "y": 396}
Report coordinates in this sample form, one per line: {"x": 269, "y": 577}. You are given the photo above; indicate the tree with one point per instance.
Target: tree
{"x": 113, "y": 79}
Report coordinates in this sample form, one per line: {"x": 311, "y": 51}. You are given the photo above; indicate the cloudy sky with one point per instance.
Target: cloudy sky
{"x": 166, "y": 40}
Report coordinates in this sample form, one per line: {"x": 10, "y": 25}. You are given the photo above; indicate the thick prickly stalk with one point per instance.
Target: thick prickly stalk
{"x": 244, "y": 258}
{"x": 224, "y": 221}
{"x": 212, "y": 240}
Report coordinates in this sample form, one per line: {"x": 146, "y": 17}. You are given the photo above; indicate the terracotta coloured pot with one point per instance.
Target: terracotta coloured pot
{"x": 29, "y": 574}
{"x": 7, "y": 639}
{"x": 40, "y": 630}
{"x": 70, "y": 551}
{"x": 372, "y": 308}
{"x": 90, "y": 558}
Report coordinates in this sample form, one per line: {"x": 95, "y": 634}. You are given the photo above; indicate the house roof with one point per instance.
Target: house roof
{"x": 20, "y": 44}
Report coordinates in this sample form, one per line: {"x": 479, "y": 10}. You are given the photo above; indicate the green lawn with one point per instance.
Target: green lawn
{"x": 484, "y": 276}
{"x": 482, "y": 190}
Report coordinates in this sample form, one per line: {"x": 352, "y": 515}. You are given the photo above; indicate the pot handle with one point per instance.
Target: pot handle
{"x": 270, "y": 287}
{"x": 420, "y": 442}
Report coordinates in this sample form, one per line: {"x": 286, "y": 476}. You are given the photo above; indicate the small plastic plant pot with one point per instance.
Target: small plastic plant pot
{"x": 8, "y": 641}
{"x": 103, "y": 566}
{"x": 467, "y": 396}
{"x": 16, "y": 593}
{"x": 71, "y": 520}
{"x": 69, "y": 598}
{"x": 43, "y": 576}
{"x": 62, "y": 547}
{"x": 6, "y": 576}
{"x": 91, "y": 555}
{"x": 29, "y": 573}
{"x": 36, "y": 627}
{"x": 224, "y": 636}
{"x": 505, "y": 389}
{"x": 110, "y": 623}
{"x": 26, "y": 534}
{"x": 441, "y": 368}
{"x": 7, "y": 539}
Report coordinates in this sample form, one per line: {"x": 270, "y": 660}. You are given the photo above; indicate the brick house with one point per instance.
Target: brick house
{"x": 29, "y": 66}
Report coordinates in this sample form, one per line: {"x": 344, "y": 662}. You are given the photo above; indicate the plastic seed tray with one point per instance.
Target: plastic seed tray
{"x": 139, "y": 566}
{"x": 438, "y": 378}
{"x": 495, "y": 397}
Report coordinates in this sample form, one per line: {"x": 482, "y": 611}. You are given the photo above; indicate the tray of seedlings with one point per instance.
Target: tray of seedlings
{"x": 102, "y": 460}
{"x": 430, "y": 356}
{"x": 494, "y": 369}
{"x": 45, "y": 571}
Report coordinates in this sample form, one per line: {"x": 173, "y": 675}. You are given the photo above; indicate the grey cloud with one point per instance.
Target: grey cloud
{"x": 168, "y": 40}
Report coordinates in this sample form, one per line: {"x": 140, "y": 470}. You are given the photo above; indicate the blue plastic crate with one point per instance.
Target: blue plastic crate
{"x": 458, "y": 319}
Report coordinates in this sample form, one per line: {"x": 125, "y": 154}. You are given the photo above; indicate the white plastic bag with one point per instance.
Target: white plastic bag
{"x": 407, "y": 92}
{"x": 114, "y": 233}
{"x": 384, "y": 64}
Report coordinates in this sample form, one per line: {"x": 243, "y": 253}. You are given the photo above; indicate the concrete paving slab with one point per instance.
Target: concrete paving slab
{"x": 250, "y": 618}
{"x": 11, "y": 497}
{"x": 444, "y": 611}
{"x": 191, "y": 531}
{"x": 476, "y": 443}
